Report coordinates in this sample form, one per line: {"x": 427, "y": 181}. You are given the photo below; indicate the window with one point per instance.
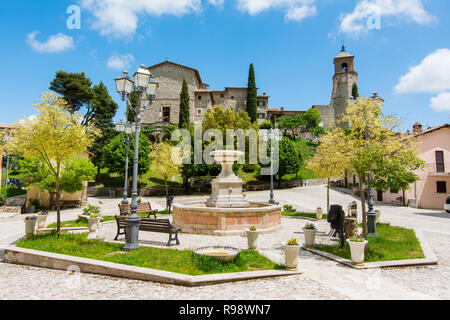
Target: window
{"x": 344, "y": 67}
{"x": 261, "y": 103}
{"x": 222, "y": 95}
{"x": 441, "y": 186}
{"x": 199, "y": 97}
{"x": 166, "y": 114}
{"x": 232, "y": 97}
{"x": 440, "y": 167}
{"x": 199, "y": 112}
{"x": 394, "y": 191}
{"x": 261, "y": 116}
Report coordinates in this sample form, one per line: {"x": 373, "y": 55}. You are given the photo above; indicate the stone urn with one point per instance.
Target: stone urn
{"x": 291, "y": 253}
{"x": 30, "y": 226}
{"x": 41, "y": 221}
{"x": 378, "y": 212}
{"x": 357, "y": 250}
{"x": 319, "y": 213}
{"x": 310, "y": 237}
{"x": 93, "y": 224}
{"x": 252, "y": 238}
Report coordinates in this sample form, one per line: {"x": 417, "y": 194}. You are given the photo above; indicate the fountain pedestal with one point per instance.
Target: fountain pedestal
{"x": 227, "y": 187}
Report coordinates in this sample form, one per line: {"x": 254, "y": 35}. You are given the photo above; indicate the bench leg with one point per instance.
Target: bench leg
{"x": 173, "y": 236}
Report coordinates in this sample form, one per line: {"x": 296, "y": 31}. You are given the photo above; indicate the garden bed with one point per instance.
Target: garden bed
{"x": 171, "y": 260}
{"x": 303, "y": 214}
{"x": 392, "y": 243}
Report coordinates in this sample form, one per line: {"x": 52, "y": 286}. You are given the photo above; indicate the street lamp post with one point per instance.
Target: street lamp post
{"x": 273, "y": 135}
{"x": 144, "y": 86}
{"x": 126, "y": 128}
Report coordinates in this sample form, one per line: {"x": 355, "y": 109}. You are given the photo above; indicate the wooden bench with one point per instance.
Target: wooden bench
{"x": 149, "y": 224}
{"x": 143, "y": 207}
{"x": 67, "y": 204}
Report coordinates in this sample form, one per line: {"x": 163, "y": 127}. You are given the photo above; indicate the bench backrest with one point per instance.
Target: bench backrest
{"x": 148, "y": 224}
{"x": 142, "y": 207}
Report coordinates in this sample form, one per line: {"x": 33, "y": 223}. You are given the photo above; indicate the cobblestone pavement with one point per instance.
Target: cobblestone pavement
{"x": 321, "y": 278}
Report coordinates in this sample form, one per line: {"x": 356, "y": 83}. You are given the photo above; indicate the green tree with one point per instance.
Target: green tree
{"x": 289, "y": 159}
{"x": 114, "y": 155}
{"x": 287, "y": 125}
{"x": 266, "y": 125}
{"x": 103, "y": 121}
{"x": 56, "y": 136}
{"x": 34, "y": 171}
{"x": 355, "y": 92}
{"x": 312, "y": 119}
{"x": 252, "y": 92}
{"x": 184, "y": 116}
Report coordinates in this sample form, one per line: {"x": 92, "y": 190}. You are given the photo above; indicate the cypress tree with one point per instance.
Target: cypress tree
{"x": 355, "y": 92}
{"x": 252, "y": 108}
{"x": 184, "y": 117}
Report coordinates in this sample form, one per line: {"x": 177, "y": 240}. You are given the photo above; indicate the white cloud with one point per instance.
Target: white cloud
{"x": 295, "y": 10}
{"x": 432, "y": 75}
{"x": 441, "y": 102}
{"x": 217, "y": 3}
{"x": 356, "y": 22}
{"x": 119, "y": 18}
{"x": 56, "y": 43}
{"x": 120, "y": 62}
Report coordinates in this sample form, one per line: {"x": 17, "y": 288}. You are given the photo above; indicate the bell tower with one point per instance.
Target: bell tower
{"x": 344, "y": 78}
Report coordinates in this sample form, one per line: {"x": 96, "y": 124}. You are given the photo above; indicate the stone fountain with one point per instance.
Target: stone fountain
{"x": 226, "y": 211}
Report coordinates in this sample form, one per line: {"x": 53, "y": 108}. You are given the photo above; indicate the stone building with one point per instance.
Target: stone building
{"x": 165, "y": 108}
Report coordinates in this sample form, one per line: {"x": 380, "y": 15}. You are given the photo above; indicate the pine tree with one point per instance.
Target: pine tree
{"x": 252, "y": 108}
{"x": 184, "y": 118}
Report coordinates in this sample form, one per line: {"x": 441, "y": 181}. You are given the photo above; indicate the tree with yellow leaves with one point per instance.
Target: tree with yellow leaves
{"x": 377, "y": 148}
{"x": 55, "y": 136}
{"x": 330, "y": 159}
{"x": 162, "y": 165}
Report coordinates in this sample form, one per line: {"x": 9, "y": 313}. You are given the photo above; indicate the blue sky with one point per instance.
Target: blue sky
{"x": 292, "y": 44}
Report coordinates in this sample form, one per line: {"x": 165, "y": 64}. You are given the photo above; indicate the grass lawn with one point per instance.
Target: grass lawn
{"x": 180, "y": 261}
{"x": 84, "y": 223}
{"x": 392, "y": 243}
{"x": 302, "y": 214}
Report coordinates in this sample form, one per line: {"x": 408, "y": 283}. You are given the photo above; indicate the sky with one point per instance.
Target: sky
{"x": 401, "y": 48}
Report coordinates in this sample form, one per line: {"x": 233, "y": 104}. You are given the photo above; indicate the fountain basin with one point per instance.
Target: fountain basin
{"x": 223, "y": 254}
{"x": 198, "y": 218}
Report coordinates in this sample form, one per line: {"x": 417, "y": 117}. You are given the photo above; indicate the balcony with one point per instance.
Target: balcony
{"x": 438, "y": 169}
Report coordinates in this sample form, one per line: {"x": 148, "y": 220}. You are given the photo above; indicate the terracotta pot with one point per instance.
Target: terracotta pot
{"x": 310, "y": 237}
{"x": 357, "y": 250}
{"x": 291, "y": 256}
{"x": 252, "y": 238}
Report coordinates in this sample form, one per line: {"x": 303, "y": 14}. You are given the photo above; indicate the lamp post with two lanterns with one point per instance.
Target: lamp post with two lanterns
{"x": 145, "y": 86}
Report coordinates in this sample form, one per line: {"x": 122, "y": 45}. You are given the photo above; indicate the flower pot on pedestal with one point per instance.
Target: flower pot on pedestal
{"x": 357, "y": 249}
{"x": 319, "y": 213}
{"x": 252, "y": 238}
{"x": 310, "y": 237}
{"x": 30, "y": 225}
{"x": 291, "y": 252}
{"x": 42, "y": 219}
{"x": 93, "y": 224}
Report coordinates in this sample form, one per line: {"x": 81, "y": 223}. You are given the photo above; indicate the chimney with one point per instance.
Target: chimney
{"x": 282, "y": 108}
{"x": 417, "y": 128}
{"x": 264, "y": 93}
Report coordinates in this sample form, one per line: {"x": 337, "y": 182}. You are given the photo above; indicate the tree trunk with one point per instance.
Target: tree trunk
{"x": 363, "y": 206}
{"x": 328, "y": 195}
{"x": 167, "y": 194}
{"x": 97, "y": 177}
{"x": 58, "y": 209}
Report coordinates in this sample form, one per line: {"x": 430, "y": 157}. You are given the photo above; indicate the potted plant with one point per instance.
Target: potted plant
{"x": 310, "y": 235}
{"x": 30, "y": 225}
{"x": 319, "y": 213}
{"x": 139, "y": 200}
{"x": 252, "y": 237}
{"x": 357, "y": 248}
{"x": 291, "y": 252}
{"x": 41, "y": 219}
{"x": 94, "y": 221}
{"x": 90, "y": 209}
{"x": 288, "y": 208}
